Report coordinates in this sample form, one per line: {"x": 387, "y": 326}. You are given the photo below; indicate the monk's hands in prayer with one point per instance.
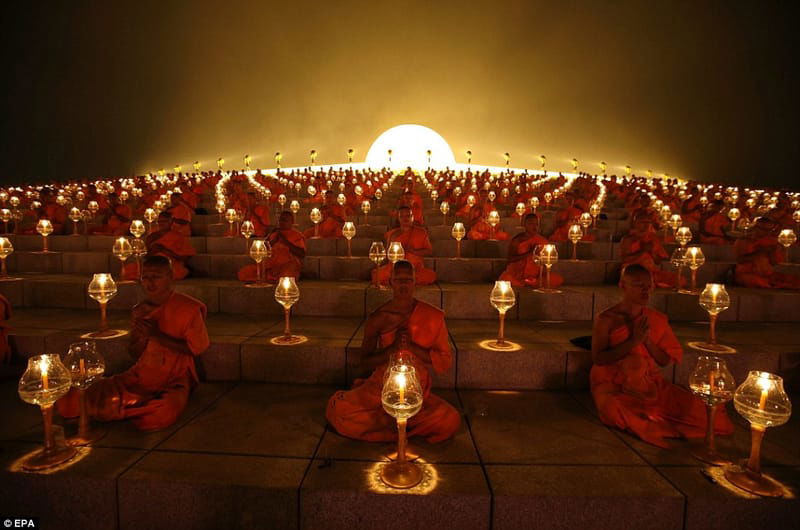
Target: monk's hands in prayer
{"x": 640, "y": 330}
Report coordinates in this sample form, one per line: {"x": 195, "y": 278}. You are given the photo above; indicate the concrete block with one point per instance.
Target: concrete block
{"x": 686, "y": 307}
{"x": 321, "y": 247}
{"x": 471, "y": 301}
{"x": 42, "y": 262}
{"x": 533, "y": 367}
{"x": 339, "y": 268}
{"x": 473, "y": 270}
{"x": 226, "y": 245}
{"x": 768, "y": 305}
{"x": 14, "y": 291}
{"x": 100, "y": 243}
{"x": 206, "y": 292}
{"x": 69, "y": 243}
{"x": 344, "y": 299}
{"x": 227, "y": 266}
{"x": 446, "y": 248}
{"x": 321, "y": 360}
{"x": 491, "y": 249}
{"x": 90, "y": 263}
{"x": 569, "y": 304}
{"x": 57, "y": 294}
{"x": 222, "y": 360}
{"x": 236, "y": 298}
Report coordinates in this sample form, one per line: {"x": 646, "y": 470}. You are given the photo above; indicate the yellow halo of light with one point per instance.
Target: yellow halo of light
{"x": 410, "y": 145}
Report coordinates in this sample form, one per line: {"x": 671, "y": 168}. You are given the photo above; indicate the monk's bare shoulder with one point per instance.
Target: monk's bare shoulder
{"x": 611, "y": 317}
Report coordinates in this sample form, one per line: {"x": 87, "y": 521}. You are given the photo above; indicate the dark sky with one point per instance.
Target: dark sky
{"x": 696, "y": 89}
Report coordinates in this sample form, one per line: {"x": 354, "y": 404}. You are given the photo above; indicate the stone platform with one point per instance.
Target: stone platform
{"x": 250, "y": 455}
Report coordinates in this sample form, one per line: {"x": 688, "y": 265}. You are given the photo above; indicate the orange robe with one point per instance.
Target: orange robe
{"x": 331, "y": 225}
{"x": 359, "y": 414}
{"x": 526, "y": 272}
{"x": 171, "y": 244}
{"x": 565, "y": 218}
{"x": 416, "y": 237}
{"x": 181, "y": 219}
{"x": 759, "y": 272}
{"x": 663, "y": 279}
{"x": 281, "y": 263}
{"x": 711, "y": 229}
{"x": 5, "y": 314}
{"x": 154, "y": 392}
{"x": 482, "y": 231}
{"x": 631, "y": 394}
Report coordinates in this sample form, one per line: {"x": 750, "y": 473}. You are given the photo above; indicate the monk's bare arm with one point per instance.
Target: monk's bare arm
{"x": 602, "y": 353}
{"x": 513, "y": 250}
{"x": 371, "y": 355}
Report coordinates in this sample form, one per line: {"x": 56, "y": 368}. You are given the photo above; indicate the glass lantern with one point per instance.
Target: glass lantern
{"x": 365, "y": 208}
{"x": 150, "y": 215}
{"x": 294, "y": 207}
{"x": 444, "y": 207}
{"x": 349, "y": 232}
{"x": 401, "y": 398}
{"x": 395, "y": 252}
{"x": 86, "y": 366}
{"x": 377, "y": 253}
{"x": 230, "y": 217}
{"x": 502, "y": 298}
{"x": 45, "y": 381}
{"x": 694, "y": 259}
{"x": 683, "y": 236}
{"x": 458, "y": 232}
{"x": 287, "y": 294}
{"x": 734, "y": 214}
{"x": 575, "y": 234}
{"x": 715, "y": 300}
{"x": 762, "y": 401}
{"x": 548, "y": 256}
{"x": 45, "y": 228}
{"x": 316, "y": 216}
{"x": 493, "y": 219}
{"x": 713, "y": 383}
{"x": 75, "y": 217}
{"x": 787, "y": 238}
{"x": 137, "y": 228}
{"x": 122, "y": 250}
{"x": 259, "y": 251}
{"x": 6, "y": 249}
{"x": 102, "y": 289}
{"x": 520, "y": 211}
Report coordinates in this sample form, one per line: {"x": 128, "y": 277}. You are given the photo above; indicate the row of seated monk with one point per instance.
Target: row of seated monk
{"x": 630, "y": 343}
{"x": 757, "y": 254}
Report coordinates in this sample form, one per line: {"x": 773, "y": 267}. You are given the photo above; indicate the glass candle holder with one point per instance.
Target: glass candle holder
{"x": 102, "y": 288}
{"x": 45, "y": 381}
{"x": 395, "y": 252}
{"x": 575, "y": 234}
{"x": 694, "y": 259}
{"x": 86, "y": 366}
{"x": 122, "y": 250}
{"x": 502, "y": 299}
{"x": 548, "y": 256}
{"x": 458, "y": 232}
{"x": 230, "y": 217}
{"x": 683, "y": 236}
{"x": 520, "y": 211}
{"x": 715, "y": 300}
{"x": 493, "y": 219}
{"x": 349, "y": 232}
{"x": 401, "y": 397}
{"x": 444, "y": 207}
{"x": 287, "y": 294}
{"x": 787, "y": 238}
{"x": 294, "y": 207}
{"x": 316, "y": 216}
{"x": 6, "y": 249}
{"x": 365, "y": 208}
{"x": 259, "y": 251}
{"x": 594, "y": 211}
{"x": 734, "y": 214}
{"x": 712, "y": 382}
{"x": 137, "y": 228}
{"x": 75, "y": 217}
{"x": 762, "y": 401}
{"x": 45, "y": 228}
{"x": 377, "y": 253}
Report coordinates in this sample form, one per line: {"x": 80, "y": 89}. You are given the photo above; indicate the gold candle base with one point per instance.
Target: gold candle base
{"x": 52, "y": 454}
{"x": 401, "y": 475}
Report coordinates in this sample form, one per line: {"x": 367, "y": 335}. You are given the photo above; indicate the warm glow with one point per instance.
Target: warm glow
{"x": 409, "y": 145}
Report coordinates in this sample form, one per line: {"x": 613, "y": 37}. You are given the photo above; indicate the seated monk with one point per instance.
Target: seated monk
{"x": 756, "y": 256}
{"x": 5, "y": 314}
{"x": 481, "y": 230}
{"x": 414, "y": 331}
{"x": 522, "y": 268}
{"x": 168, "y": 331}
{"x": 416, "y": 245}
{"x": 642, "y": 246}
{"x": 566, "y": 217}
{"x": 630, "y": 342}
{"x": 117, "y": 219}
{"x": 168, "y": 241}
{"x": 333, "y": 217}
{"x": 288, "y": 250}
{"x": 714, "y": 225}
{"x": 181, "y": 214}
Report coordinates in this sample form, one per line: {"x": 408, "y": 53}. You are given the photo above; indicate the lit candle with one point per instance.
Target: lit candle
{"x": 83, "y": 368}
{"x": 763, "y": 382}
{"x": 43, "y": 367}
{"x": 401, "y": 383}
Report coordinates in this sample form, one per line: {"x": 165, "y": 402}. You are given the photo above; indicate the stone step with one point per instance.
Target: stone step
{"x": 241, "y": 349}
{"x": 357, "y": 298}
{"x": 260, "y": 456}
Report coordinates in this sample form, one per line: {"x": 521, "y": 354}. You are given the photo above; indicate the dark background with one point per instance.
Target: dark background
{"x": 704, "y": 90}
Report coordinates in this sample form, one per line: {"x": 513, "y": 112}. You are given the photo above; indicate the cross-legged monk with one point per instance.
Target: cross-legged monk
{"x": 756, "y": 257}
{"x": 288, "y": 250}
{"x": 416, "y": 245}
{"x": 714, "y": 225}
{"x": 169, "y": 330}
{"x": 333, "y": 218}
{"x": 642, "y": 246}
{"x": 481, "y": 230}
{"x": 630, "y": 342}
{"x": 522, "y": 268}
{"x": 416, "y": 331}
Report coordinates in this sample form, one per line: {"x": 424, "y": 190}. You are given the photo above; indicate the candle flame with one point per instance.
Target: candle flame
{"x": 44, "y": 365}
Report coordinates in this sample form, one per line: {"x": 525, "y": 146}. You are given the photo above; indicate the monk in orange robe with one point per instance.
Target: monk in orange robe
{"x": 5, "y": 314}
{"x": 168, "y": 332}
{"x": 333, "y": 217}
{"x": 416, "y": 245}
{"x": 288, "y": 250}
{"x": 756, "y": 256}
{"x": 565, "y": 218}
{"x": 404, "y": 329}
{"x": 630, "y": 342}
{"x": 642, "y": 246}
{"x": 181, "y": 214}
{"x": 714, "y": 225}
{"x": 523, "y": 269}
{"x": 168, "y": 241}
{"x": 481, "y": 230}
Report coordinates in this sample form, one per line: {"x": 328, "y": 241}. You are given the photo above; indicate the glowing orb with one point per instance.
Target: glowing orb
{"x": 409, "y": 145}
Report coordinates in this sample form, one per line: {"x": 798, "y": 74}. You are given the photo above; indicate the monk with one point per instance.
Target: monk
{"x": 288, "y": 250}
{"x": 630, "y": 342}
{"x": 567, "y": 216}
{"x": 481, "y": 230}
{"x": 523, "y": 269}
{"x": 5, "y": 314}
{"x": 416, "y": 245}
{"x": 408, "y": 329}
{"x": 643, "y": 247}
{"x": 181, "y": 214}
{"x": 168, "y": 241}
{"x": 714, "y": 225}
{"x": 756, "y": 257}
{"x": 333, "y": 218}
{"x": 168, "y": 331}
